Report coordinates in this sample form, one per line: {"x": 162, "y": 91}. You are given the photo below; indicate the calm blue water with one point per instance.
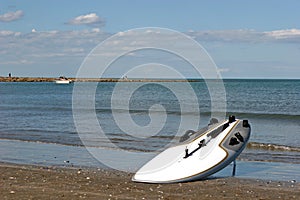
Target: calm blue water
{"x": 42, "y": 112}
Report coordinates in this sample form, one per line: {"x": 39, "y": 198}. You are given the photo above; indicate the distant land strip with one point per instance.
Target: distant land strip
{"x": 44, "y": 79}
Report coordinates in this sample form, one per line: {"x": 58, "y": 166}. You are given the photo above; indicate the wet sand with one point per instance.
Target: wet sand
{"x": 33, "y": 182}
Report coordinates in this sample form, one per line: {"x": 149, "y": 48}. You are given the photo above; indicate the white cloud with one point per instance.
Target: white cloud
{"x": 47, "y": 46}
{"x": 56, "y": 48}
{"x": 242, "y": 35}
{"x": 222, "y": 70}
{"x": 11, "y": 16}
{"x": 5, "y": 33}
{"x": 282, "y": 34}
{"x": 245, "y": 35}
{"x": 96, "y": 30}
{"x": 79, "y": 43}
{"x": 90, "y": 19}
{"x": 16, "y": 62}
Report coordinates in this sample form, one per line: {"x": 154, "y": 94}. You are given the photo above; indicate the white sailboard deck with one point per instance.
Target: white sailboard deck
{"x": 197, "y": 157}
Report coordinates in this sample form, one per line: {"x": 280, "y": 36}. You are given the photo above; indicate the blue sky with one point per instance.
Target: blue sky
{"x": 246, "y": 39}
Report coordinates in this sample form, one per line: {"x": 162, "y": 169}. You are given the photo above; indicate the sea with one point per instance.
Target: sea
{"x": 38, "y": 126}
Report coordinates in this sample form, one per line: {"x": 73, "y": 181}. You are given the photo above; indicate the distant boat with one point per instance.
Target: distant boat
{"x": 63, "y": 80}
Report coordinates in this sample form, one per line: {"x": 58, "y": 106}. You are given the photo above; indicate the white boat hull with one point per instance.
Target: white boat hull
{"x": 191, "y": 160}
{"x": 63, "y": 81}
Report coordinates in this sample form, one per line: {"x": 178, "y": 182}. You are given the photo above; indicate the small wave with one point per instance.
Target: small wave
{"x": 36, "y": 108}
{"x": 251, "y": 145}
{"x": 41, "y": 142}
{"x": 272, "y": 147}
{"x": 146, "y": 111}
{"x": 258, "y": 115}
{"x": 131, "y": 149}
{"x": 171, "y": 111}
{"x": 265, "y": 115}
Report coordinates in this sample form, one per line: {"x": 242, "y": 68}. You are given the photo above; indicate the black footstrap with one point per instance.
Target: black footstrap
{"x": 187, "y": 154}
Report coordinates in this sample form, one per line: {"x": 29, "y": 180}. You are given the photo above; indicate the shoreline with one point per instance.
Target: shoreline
{"x": 35, "y": 182}
{"x": 45, "y": 79}
{"x": 51, "y": 79}
{"x": 53, "y": 154}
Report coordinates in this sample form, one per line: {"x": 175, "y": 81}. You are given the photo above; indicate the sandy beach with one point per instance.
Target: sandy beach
{"x": 34, "y": 182}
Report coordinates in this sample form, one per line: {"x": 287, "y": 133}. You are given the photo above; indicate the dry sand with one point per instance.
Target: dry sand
{"x": 33, "y": 182}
